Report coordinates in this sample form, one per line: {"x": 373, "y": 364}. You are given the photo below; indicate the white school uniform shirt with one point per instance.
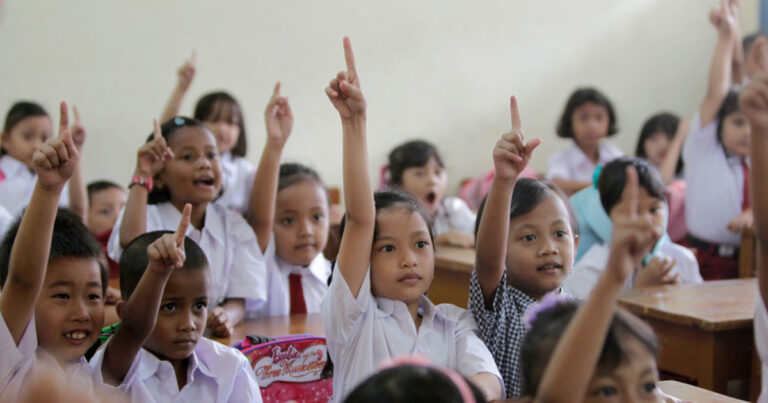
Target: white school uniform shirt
{"x": 229, "y": 243}
{"x": 6, "y": 219}
{"x": 314, "y": 283}
{"x": 714, "y": 185}
{"x": 238, "y": 176}
{"x": 761, "y": 340}
{"x": 454, "y": 215}
{"x": 573, "y": 164}
{"x": 364, "y": 331}
{"x": 588, "y": 270}
{"x": 18, "y": 362}
{"x": 215, "y": 373}
{"x": 17, "y": 182}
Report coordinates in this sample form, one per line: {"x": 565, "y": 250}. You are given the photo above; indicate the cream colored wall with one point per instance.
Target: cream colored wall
{"x": 441, "y": 70}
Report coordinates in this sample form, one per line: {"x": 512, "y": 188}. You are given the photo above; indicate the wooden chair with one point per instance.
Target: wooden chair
{"x": 747, "y": 254}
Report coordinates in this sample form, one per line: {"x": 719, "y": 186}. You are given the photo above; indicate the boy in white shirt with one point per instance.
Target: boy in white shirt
{"x": 159, "y": 353}
{"x": 671, "y": 263}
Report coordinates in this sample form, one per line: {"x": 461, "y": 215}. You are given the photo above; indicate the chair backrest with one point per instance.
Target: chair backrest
{"x": 291, "y": 368}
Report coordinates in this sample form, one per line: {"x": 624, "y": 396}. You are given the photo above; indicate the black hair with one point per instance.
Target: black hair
{"x": 580, "y": 97}
{"x": 410, "y": 384}
{"x": 220, "y": 105}
{"x": 414, "y": 153}
{"x": 292, "y": 173}
{"x": 18, "y": 112}
{"x": 613, "y": 177}
{"x": 747, "y": 41}
{"x": 730, "y": 105}
{"x": 663, "y": 122}
{"x": 549, "y": 325}
{"x": 134, "y": 260}
{"x": 168, "y": 129}
{"x": 71, "y": 239}
{"x": 100, "y": 185}
{"x": 526, "y": 195}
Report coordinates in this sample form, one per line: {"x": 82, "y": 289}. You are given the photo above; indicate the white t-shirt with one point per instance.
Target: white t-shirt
{"x": 314, "y": 283}
{"x": 18, "y": 362}
{"x": 761, "y": 340}
{"x": 228, "y": 241}
{"x": 590, "y": 267}
{"x": 238, "y": 175}
{"x": 573, "y": 164}
{"x": 215, "y": 373}
{"x": 17, "y": 182}
{"x": 454, "y": 215}
{"x": 714, "y": 185}
{"x": 364, "y": 331}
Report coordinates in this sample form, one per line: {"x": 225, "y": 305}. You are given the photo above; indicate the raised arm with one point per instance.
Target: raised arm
{"x": 754, "y": 104}
{"x": 355, "y": 249}
{"x": 151, "y": 159}
{"x": 186, "y": 74}
{"x": 719, "y": 79}
{"x": 139, "y": 314}
{"x": 78, "y": 195}
{"x": 737, "y": 61}
{"x": 510, "y": 157}
{"x": 668, "y": 166}
{"x": 261, "y": 206}
{"x": 55, "y": 162}
{"x": 573, "y": 362}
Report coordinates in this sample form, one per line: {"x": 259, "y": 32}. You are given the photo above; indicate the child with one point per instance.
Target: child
{"x": 415, "y": 380}
{"x": 289, "y": 213}
{"x": 717, "y": 165}
{"x": 598, "y": 353}
{"x": 105, "y": 201}
{"x": 222, "y": 114}
{"x": 53, "y": 278}
{"x": 417, "y": 167}
{"x": 159, "y": 354}
{"x": 27, "y": 127}
{"x": 181, "y": 165}
{"x": 375, "y": 308}
{"x": 670, "y": 264}
{"x": 526, "y": 240}
{"x": 588, "y": 118}
{"x": 661, "y": 142}
{"x": 755, "y": 106}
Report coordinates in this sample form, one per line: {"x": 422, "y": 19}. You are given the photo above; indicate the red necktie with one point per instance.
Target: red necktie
{"x": 297, "y": 294}
{"x": 745, "y": 168}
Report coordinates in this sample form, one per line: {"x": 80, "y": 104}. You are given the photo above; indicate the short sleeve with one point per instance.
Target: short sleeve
{"x": 340, "y": 310}
{"x": 700, "y": 141}
{"x": 14, "y": 355}
{"x": 489, "y": 321}
{"x": 472, "y": 355}
{"x": 248, "y": 275}
{"x": 245, "y": 388}
{"x": 154, "y": 223}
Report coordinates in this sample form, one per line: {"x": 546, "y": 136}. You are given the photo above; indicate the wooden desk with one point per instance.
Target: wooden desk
{"x": 276, "y": 326}
{"x": 453, "y": 267}
{"x": 680, "y": 390}
{"x": 705, "y": 330}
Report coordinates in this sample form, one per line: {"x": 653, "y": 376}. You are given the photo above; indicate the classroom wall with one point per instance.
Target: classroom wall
{"x": 436, "y": 69}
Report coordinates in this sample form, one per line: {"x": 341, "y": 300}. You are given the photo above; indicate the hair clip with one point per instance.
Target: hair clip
{"x": 550, "y": 300}
{"x": 596, "y": 175}
{"x": 178, "y": 121}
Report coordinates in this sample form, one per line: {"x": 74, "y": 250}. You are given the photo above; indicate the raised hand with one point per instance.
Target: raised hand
{"x": 344, "y": 90}
{"x": 723, "y": 18}
{"x": 167, "y": 252}
{"x": 512, "y": 154}
{"x": 187, "y": 72}
{"x": 219, "y": 322}
{"x": 56, "y": 160}
{"x": 77, "y": 130}
{"x": 278, "y": 117}
{"x": 657, "y": 272}
{"x": 153, "y": 155}
{"x": 633, "y": 236}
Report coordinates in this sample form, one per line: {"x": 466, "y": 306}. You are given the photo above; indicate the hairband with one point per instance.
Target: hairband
{"x": 420, "y": 361}
{"x": 383, "y": 179}
{"x": 179, "y": 121}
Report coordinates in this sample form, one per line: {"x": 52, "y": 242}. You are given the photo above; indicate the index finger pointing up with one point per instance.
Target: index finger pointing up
{"x": 631, "y": 191}
{"x": 181, "y": 232}
{"x": 158, "y": 130}
{"x": 516, "y": 122}
{"x": 63, "y": 117}
{"x": 349, "y": 56}
{"x": 77, "y": 114}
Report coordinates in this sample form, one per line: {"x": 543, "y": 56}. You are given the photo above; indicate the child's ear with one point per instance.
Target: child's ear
{"x": 119, "y": 308}
{"x": 575, "y": 242}
{"x": 4, "y": 136}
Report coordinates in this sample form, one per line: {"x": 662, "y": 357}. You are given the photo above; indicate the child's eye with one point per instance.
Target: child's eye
{"x": 201, "y": 305}
{"x": 387, "y": 248}
{"x": 560, "y": 234}
{"x": 422, "y": 244}
{"x": 187, "y": 157}
{"x": 317, "y": 217}
{"x": 27, "y": 136}
{"x": 94, "y": 297}
{"x": 649, "y": 387}
{"x": 739, "y": 121}
{"x": 105, "y": 212}
{"x": 606, "y": 391}
{"x": 287, "y": 221}
{"x": 170, "y": 307}
{"x": 528, "y": 238}
{"x": 212, "y": 155}
{"x": 61, "y": 296}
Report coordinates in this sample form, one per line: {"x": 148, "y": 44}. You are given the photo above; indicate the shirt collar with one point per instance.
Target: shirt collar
{"x": 389, "y": 307}
{"x": 151, "y": 365}
{"x": 12, "y": 167}
{"x": 171, "y": 217}
{"x": 320, "y": 268}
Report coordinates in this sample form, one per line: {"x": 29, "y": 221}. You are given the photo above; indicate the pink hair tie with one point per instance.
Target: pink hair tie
{"x": 421, "y": 361}
{"x": 383, "y": 180}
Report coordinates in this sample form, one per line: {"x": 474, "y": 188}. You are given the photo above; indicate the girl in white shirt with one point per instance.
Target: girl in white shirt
{"x": 416, "y": 166}
{"x": 588, "y": 119}
{"x": 221, "y": 112}
{"x": 180, "y": 165}
{"x": 27, "y": 127}
{"x": 376, "y": 308}
{"x": 289, "y": 213}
